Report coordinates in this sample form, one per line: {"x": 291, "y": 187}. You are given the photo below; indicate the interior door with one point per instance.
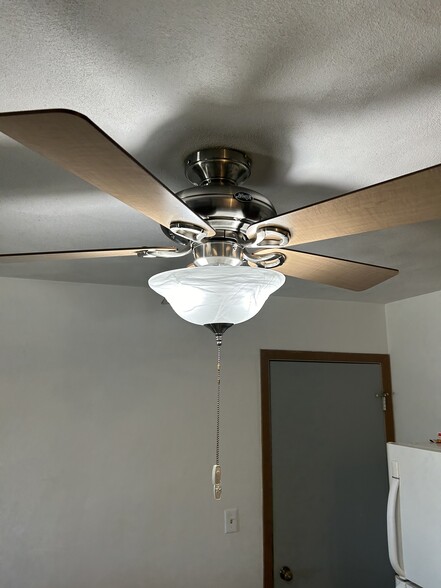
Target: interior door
{"x": 328, "y": 474}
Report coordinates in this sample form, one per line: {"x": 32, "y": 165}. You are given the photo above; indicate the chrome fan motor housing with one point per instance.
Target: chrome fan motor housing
{"x": 227, "y": 207}
{"x": 217, "y": 196}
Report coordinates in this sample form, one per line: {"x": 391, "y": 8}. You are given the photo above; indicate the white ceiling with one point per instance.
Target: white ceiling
{"x": 326, "y": 97}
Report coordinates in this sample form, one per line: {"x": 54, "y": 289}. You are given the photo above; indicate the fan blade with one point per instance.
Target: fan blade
{"x": 405, "y": 200}
{"x": 331, "y": 270}
{"x": 75, "y": 143}
{"x": 66, "y": 255}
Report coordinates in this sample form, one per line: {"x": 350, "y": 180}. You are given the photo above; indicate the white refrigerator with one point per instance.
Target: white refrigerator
{"x": 414, "y": 514}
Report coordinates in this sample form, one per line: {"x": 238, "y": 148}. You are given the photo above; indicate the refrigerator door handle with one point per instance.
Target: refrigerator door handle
{"x": 392, "y": 532}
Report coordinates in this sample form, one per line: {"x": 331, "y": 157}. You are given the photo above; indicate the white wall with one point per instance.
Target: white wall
{"x": 107, "y": 426}
{"x": 414, "y": 332}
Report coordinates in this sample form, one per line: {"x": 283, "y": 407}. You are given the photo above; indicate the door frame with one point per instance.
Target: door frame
{"x": 268, "y": 355}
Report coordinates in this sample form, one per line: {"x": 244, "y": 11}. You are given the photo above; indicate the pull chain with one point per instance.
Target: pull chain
{"x": 218, "y": 402}
{"x": 218, "y": 329}
{"x": 216, "y": 474}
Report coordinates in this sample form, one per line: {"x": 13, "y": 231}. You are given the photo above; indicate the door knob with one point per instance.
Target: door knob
{"x": 286, "y": 574}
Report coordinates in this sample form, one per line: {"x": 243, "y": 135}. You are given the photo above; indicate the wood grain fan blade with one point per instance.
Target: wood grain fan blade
{"x": 75, "y": 143}
{"x": 405, "y": 200}
{"x": 331, "y": 270}
{"x": 66, "y": 255}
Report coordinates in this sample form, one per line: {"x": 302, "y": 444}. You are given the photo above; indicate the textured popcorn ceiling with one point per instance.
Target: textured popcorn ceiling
{"x": 325, "y": 96}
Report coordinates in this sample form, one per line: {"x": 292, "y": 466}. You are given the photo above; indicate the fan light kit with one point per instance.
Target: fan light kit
{"x": 217, "y": 294}
{"x": 241, "y": 248}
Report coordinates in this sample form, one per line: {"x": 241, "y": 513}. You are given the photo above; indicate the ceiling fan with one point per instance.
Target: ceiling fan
{"x": 235, "y": 235}
{"x": 217, "y": 221}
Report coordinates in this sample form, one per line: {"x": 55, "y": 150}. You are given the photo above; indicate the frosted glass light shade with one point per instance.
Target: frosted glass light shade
{"x": 217, "y": 294}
